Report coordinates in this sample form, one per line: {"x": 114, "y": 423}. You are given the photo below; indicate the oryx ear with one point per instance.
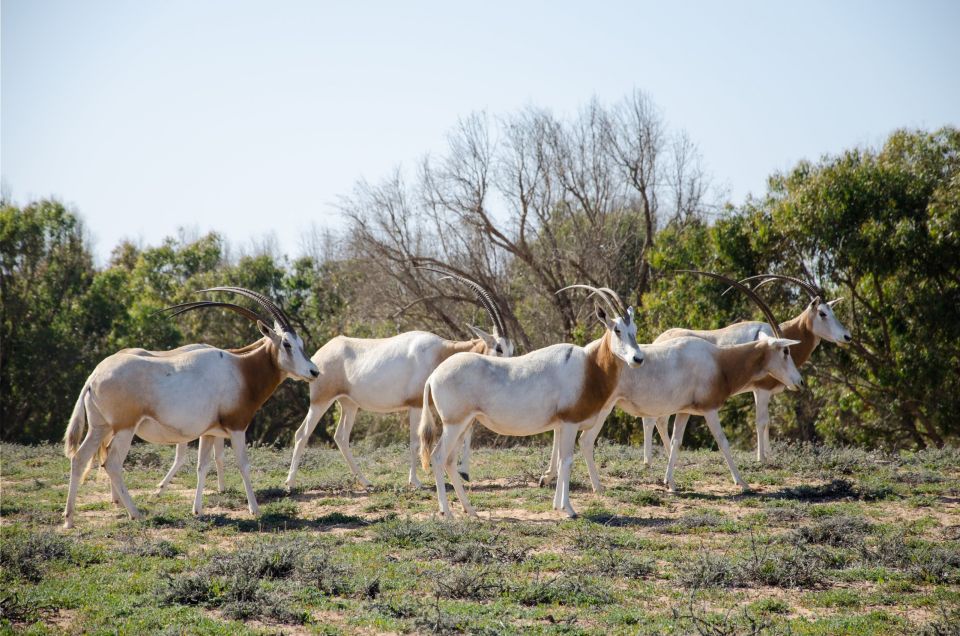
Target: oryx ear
{"x": 267, "y": 331}
{"x": 834, "y": 302}
{"x": 629, "y": 316}
{"x": 602, "y": 316}
{"x": 483, "y": 335}
{"x": 783, "y": 342}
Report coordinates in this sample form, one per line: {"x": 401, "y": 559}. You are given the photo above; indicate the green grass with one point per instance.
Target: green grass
{"x": 829, "y": 541}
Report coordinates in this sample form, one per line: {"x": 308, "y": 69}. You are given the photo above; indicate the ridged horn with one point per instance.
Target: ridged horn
{"x": 771, "y": 319}
{"x": 484, "y": 296}
{"x": 265, "y": 302}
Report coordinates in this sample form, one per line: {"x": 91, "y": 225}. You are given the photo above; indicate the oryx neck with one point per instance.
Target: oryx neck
{"x": 261, "y": 375}
{"x": 800, "y": 328}
{"x": 740, "y": 365}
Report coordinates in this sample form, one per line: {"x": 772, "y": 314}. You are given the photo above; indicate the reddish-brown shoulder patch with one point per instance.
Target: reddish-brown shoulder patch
{"x": 600, "y": 379}
{"x": 261, "y": 376}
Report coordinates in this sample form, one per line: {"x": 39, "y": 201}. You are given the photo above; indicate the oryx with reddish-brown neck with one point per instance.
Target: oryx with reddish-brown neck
{"x": 815, "y": 323}
{"x": 562, "y": 387}
{"x": 177, "y": 397}
{"x": 692, "y": 376}
{"x": 386, "y": 375}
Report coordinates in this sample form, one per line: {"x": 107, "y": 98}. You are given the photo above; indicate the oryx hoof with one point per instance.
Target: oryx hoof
{"x": 545, "y": 481}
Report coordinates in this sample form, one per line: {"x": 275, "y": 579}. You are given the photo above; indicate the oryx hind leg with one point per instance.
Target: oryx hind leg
{"x": 454, "y": 434}
{"x": 464, "y": 466}
{"x": 348, "y": 415}
{"x": 566, "y": 435}
{"x": 97, "y": 430}
{"x": 413, "y": 416}
{"x": 551, "y": 474}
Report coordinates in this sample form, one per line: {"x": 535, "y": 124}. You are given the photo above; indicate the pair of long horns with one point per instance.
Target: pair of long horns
{"x": 771, "y": 319}
{"x": 812, "y": 292}
{"x": 610, "y": 298}
{"x": 278, "y": 314}
{"x": 484, "y": 296}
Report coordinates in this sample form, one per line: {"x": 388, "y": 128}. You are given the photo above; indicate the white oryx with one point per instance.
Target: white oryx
{"x": 386, "y": 375}
{"x": 176, "y": 397}
{"x": 815, "y": 323}
{"x": 562, "y": 387}
{"x": 691, "y": 376}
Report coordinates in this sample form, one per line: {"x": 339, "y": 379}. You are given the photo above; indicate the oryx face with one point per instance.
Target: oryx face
{"x": 825, "y": 322}
{"x": 290, "y": 356}
{"x": 623, "y": 330}
{"x": 496, "y": 345}
{"x": 780, "y": 363}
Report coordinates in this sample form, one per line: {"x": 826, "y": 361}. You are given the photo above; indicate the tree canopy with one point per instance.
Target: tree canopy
{"x": 608, "y": 197}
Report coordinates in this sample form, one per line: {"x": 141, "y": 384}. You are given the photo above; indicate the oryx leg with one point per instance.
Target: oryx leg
{"x": 648, "y": 424}
{"x": 203, "y": 465}
{"x": 238, "y": 440}
{"x": 414, "y": 416}
{"x": 454, "y": 434}
{"x": 437, "y": 458}
{"x": 762, "y": 398}
{"x": 464, "y": 466}
{"x": 179, "y": 458}
{"x": 664, "y": 431}
{"x": 547, "y": 478}
{"x": 348, "y": 415}
{"x": 713, "y": 423}
{"x": 218, "y": 460}
{"x": 566, "y": 437}
{"x": 119, "y": 447}
{"x": 679, "y": 426}
{"x": 588, "y": 439}
{"x": 302, "y": 436}
{"x": 81, "y": 459}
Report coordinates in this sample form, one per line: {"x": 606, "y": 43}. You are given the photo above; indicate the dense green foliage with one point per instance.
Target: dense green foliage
{"x": 879, "y": 227}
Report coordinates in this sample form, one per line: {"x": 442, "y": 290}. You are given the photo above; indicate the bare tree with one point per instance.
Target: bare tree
{"x": 525, "y": 206}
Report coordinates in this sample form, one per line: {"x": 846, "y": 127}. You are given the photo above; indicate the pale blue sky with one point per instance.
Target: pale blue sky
{"x": 252, "y": 117}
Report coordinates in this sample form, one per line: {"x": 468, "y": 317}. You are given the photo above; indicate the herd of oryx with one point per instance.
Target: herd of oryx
{"x": 202, "y": 392}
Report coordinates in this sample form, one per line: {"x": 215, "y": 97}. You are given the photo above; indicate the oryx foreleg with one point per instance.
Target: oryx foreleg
{"x": 713, "y": 423}
{"x": 119, "y": 447}
{"x": 302, "y": 437}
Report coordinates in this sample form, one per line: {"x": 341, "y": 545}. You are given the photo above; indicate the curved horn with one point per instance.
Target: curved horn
{"x": 616, "y": 298}
{"x": 185, "y": 307}
{"x": 267, "y": 304}
{"x": 774, "y": 325}
{"x": 812, "y": 291}
{"x": 593, "y": 290}
{"x": 480, "y": 292}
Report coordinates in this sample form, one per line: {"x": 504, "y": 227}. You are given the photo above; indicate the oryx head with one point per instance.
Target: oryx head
{"x": 497, "y": 344}
{"x": 778, "y": 362}
{"x": 287, "y": 344}
{"x": 818, "y": 314}
{"x": 619, "y": 322}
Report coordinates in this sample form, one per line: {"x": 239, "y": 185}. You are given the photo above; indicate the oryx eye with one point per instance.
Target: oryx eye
{"x": 823, "y": 314}
{"x": 499, "y": 349}
{"x": 786, "y": 352}
{"x": 616, "y": 331}
{"x": 287, "y": 346}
